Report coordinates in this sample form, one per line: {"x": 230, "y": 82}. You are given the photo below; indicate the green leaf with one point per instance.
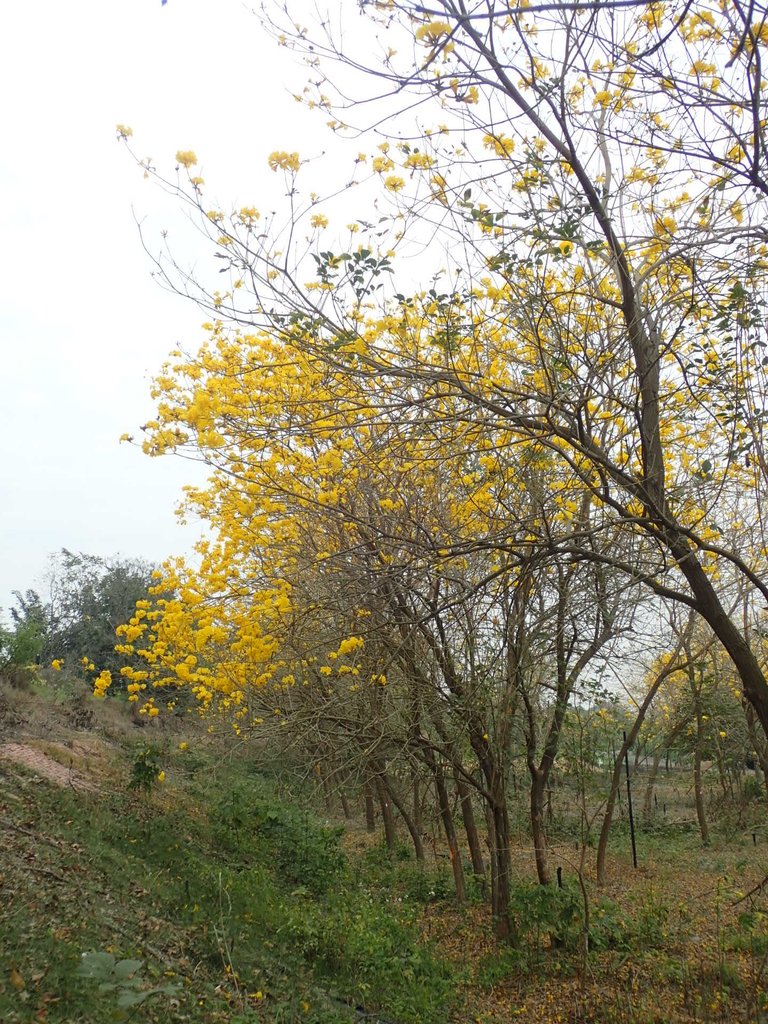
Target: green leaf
{"x": 130, "y": 997}
{"x": 125, "y": 968}
{"x": 96, "y": 964}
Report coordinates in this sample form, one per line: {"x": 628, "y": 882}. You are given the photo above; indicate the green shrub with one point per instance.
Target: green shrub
{"x": 22, "y": 646}
{"x": 753, "y": 788}
{"x": 544, "y": 914}
{"x": 305, "y": 853}
{"x": 539, "y": 913}
{"x": 502, "y": 964}
{"x": 378, "y": 958}
{"x": 750, "y": 935}
{"x": 422, "y": 886}
{"x": 146, "y": 771}
{"x": 123, "y": 980}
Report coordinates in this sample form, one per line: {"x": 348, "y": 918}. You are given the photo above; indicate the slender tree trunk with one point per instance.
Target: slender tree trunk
{"x": 652, "y": 776}
{"x": 417, "y": 814}
{"x": 725, "y": 783}
{"x": 759, "y": 744}
{"x": 605, "y": 829}
{"x": 497, "y": 823}
{"x": 629, "y": 740}
{"x": 490, "y": 829}
{"x": 370, "y": 810}
{"x": 387, "y": 817}
{"x": 711, "y": 610}
{"x": 698, "y": 792}
{"x": 449, "y": 828}
{"x": 446, "y": 817}
{"x": 540, "y": 774}
{"x": 418, "y": 845}
{"x": 538, "y": 831}
{"x": 470, "y": 827}
{"x": 345, "y": 804}
{"x": 501, "y": 863}
{"x": 327, "y": 796}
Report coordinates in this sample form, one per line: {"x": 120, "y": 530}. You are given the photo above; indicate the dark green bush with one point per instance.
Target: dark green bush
{"x": 545, "y": 915}
{"x": 370, "y": 952}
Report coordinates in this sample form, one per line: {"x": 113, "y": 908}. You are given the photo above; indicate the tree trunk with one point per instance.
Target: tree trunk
{"x": 501, "y": 870}
{"x": 722, "y": 773}
{"x": 698, "y": 793}
{"x": 538, "y": 832}
{"x": 417, "y": 815}
{"x": 327, "y": 796}
{"x": 415, "y": 834}
{"x": 629, "y": 740}
{"x": 470, "y": 827}
{"x": 711, "y": 610}
{"x": 450, "y": 834}
{"x": 345, "y": 804}
{"x": 446, "y": 817}
{"x": 759, "y": 744}
{"x": 497, "y": 822}
{"x": 388, "y": 819}
{"x": 370, "y": 810}
{"x": 605, "y": 829}
{"x": 648, "y": 798}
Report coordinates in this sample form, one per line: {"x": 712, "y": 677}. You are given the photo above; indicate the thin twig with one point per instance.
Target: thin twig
{"x": 39, "y": 871}
{"x": 756, "y": 890}
{"x": 28, "y": 832}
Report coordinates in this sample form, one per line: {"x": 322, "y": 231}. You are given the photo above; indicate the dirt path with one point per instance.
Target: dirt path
{"x": 47, "y": 767}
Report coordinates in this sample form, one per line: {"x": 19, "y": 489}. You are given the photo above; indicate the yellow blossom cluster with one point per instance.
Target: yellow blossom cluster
{"x": 186, "y": 158}
{"x": 280, "y": 160}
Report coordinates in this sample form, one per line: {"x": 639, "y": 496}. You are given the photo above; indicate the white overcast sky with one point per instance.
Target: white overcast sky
{"x": 82, "y": 326}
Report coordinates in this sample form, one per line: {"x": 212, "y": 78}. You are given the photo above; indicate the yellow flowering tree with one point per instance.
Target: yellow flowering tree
{"x": 602, "y": 207}
{"x": 431, "y": 506}
{"x": 379, "y": 590}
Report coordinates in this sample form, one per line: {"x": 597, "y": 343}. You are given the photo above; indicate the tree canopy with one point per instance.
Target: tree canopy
{"x": 435, "y": 507}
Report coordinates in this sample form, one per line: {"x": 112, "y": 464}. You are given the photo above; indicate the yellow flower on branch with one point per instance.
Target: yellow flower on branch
{"x": 394, "y": 183}
{"x": 351, "y": 643}
{"x": 380, "y": 164}
{"x": 280, "y": 160}
{"x": 186, "y": 158}
{"x": 432, "y": 32}
{"x": 102, "y": 683}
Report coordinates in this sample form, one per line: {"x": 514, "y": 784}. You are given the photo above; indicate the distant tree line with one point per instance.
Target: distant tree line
{"x": 74, "y": 623}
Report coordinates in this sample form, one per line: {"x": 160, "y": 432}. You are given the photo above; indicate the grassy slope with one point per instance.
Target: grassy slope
{"x": 223, "y": 888}
{"x": 215, "y": 883}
